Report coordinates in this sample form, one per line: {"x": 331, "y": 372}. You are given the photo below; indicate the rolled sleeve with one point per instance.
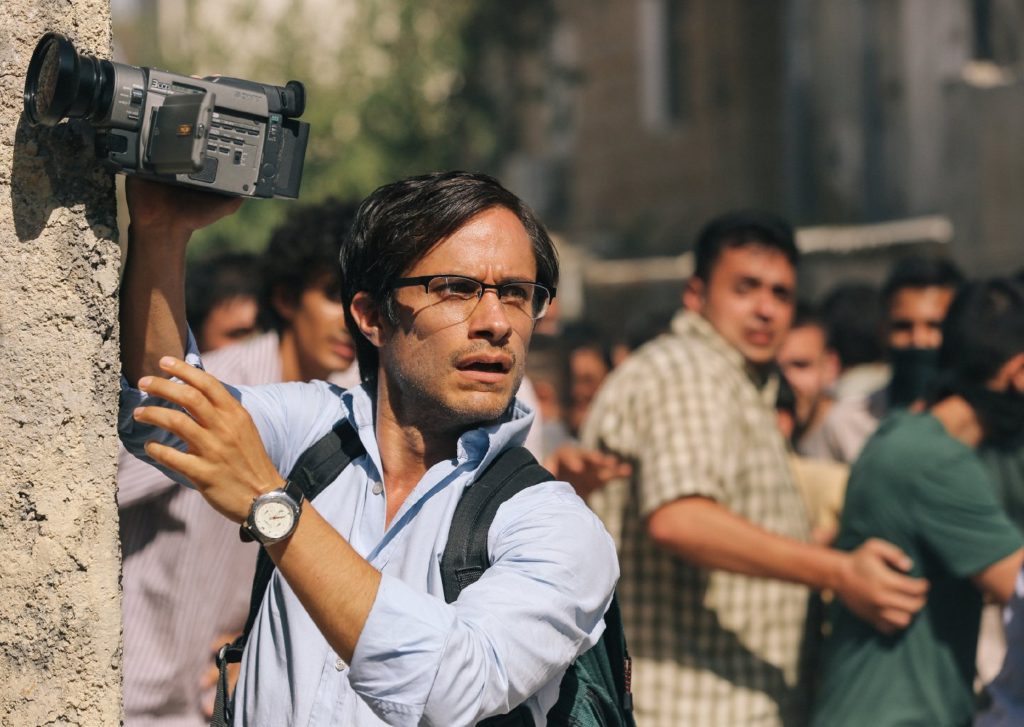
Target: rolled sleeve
{"x": 959, "y": 518}
{"x": 509, "y": 636}
{"x": 134, "y": 435}
{"x": 288, "y": 416}
{"x": 399, "y": 649}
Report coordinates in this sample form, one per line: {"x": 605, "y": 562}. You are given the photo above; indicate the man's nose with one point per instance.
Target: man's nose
{"x": 925, "y": 336}
{"x": 767, "y": 305}
{"x": 489, "y": 318}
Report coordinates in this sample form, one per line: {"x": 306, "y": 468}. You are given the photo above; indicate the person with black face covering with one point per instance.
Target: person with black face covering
{"x": 920, "y": 485}
{"x": 1006, "y": 463}
{"x": 916, "y": 296}
{"x": 915, "y": 299}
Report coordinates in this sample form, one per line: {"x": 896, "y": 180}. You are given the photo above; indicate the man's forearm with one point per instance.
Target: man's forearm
{"x": 998, "y": 580}
{"x": 152, "y": 313}
{"x": 334, "y": 583}
{"x": 153, "y": 289}
{"x": 706, "y": 534}
{"x": 870, "y": 580}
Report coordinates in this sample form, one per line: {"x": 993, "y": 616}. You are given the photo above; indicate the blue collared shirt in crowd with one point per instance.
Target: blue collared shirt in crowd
{"x": 419, "y": 660}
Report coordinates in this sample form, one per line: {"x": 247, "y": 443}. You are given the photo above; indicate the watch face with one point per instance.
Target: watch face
{"x": 273, "y": 519}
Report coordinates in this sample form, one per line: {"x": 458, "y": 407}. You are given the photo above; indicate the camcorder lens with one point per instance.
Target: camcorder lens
{"x": 61, "y": 83}
{"x": 46, "y": 84}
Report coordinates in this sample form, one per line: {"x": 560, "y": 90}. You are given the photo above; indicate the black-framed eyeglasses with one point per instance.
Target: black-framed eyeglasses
{"x": 461, "y": 294}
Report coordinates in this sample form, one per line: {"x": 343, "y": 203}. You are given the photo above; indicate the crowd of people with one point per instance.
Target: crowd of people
{"x": 802, "y": 506}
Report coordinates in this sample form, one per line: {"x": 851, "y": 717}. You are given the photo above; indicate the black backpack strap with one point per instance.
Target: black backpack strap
{"x": 316, "y": 468}
{"x": 465, "y": 555}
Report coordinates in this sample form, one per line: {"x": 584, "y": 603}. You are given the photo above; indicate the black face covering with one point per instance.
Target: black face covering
{"x": 1001, "y": 414}
{"x": 913, "y": 373}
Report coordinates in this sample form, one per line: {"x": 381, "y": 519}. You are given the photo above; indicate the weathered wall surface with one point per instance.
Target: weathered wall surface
{"x": 59, "y": 559}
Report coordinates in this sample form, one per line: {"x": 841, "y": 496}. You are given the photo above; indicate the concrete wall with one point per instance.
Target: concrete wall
{"x": 60, "y": 608}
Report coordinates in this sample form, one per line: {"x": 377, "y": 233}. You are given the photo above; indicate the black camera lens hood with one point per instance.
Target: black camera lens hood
{"x": 63, "y": 86}
{"x": 77, "y": 86}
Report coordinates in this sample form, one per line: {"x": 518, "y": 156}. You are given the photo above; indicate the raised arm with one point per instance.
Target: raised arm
{"x": 998, "y": 580}
{"x": 152, "y": 316}
{"x": 708, "y": 535}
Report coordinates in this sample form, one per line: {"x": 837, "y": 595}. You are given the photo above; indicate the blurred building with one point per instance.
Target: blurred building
{"x": 674, "y": 111}
{"x": 831, "y": 113}
{"x": 627, "y": 123}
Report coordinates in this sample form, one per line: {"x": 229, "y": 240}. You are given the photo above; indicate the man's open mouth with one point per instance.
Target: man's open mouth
{"x": 491, "y": 364}
{"x": 493, "y": 367}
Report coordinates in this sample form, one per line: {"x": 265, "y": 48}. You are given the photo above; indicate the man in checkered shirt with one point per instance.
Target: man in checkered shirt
{"x": 711, "y": 530}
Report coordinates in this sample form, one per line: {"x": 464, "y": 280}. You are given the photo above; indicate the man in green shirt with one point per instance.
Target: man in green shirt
{"x": 920, "y": 485}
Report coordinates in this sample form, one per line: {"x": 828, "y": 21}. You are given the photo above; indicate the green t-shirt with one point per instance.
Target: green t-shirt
{"x": 928, "y": 493}
{"x": 1006, "y": 467}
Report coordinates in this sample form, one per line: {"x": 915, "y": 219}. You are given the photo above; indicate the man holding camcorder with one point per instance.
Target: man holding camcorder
{"x": 353, "y": 628}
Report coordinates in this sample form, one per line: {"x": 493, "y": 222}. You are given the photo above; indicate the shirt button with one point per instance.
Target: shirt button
{"x": 378, "y": 487}
{"x": 340, "y": 664}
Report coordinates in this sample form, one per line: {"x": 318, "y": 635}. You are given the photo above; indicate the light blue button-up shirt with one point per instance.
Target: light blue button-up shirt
{"x": 508, "y": 638}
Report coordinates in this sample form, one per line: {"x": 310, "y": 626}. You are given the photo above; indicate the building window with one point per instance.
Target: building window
{"x": 664, "y": 63}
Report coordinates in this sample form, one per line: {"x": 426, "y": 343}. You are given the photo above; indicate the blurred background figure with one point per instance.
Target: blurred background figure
{"x": 810, "y": 368}
{"x": 822, "y": 482}
{"x": 300, "y": 298}
{"x": 919, "y": 484}
{"x": 853, "y": 314}
{"x": 547, "y": 367}
{"x": 222, "y": 297}
{"x": 915, "y": 297}
{"x": 1007, "y": 467}
{"x": 589, "y": 362}
{"x": 186, "y": 575}
{"x": 711, "y": 528}
{"x": 914, "y": 301}
{"x": 549, "y": 373}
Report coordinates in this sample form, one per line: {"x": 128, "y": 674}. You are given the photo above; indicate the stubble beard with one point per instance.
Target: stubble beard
{"x": 426, "y": 408}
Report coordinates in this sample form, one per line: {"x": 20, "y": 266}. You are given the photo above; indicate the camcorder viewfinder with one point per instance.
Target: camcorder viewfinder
{"x": 227, "y": 135}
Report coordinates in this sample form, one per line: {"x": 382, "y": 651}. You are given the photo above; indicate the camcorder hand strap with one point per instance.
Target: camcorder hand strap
{"x": 315, "y": 469}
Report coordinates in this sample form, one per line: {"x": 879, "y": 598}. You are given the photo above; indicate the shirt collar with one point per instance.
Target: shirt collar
{"x": 690, "y": 324}
{"x": 484, "y": 443}
{"x": 477, "y": 446}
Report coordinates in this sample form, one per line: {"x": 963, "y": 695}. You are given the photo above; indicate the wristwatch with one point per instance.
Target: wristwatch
{"x": 273, "y": 515}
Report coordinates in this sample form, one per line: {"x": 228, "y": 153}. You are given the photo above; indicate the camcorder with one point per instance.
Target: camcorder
{"x": 226, "y": 135}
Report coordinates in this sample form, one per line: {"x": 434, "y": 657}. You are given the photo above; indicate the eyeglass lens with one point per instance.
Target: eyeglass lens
{"x": 529, "y": 298}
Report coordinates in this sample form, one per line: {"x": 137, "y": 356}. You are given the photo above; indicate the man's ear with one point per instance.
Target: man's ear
{"x": 693, "y": 294}
{"x": 832, "y": 367}
{"x": 367, "y": 315}
{"x": 284, "y": 304}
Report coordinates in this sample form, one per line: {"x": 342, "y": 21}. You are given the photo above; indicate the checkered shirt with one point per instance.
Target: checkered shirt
{"x": 709, "y": 648}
